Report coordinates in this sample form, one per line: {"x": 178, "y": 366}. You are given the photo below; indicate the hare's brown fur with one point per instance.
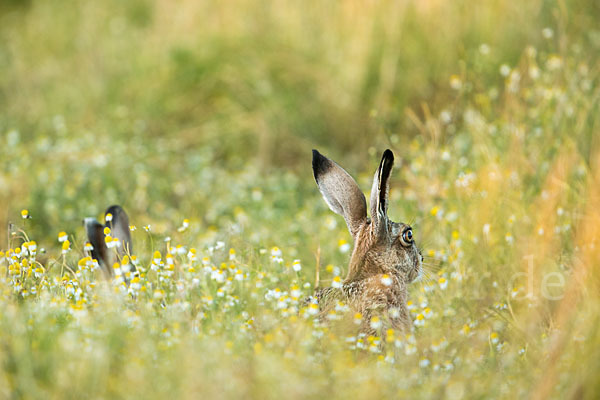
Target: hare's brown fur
{"x": 383, "y": 261}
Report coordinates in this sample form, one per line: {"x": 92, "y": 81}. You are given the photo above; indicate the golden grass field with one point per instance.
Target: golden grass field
{"x": 206, "y": 112}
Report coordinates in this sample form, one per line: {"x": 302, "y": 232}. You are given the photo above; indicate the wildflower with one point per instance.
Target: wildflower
{"x": 360, "y": 343}
{"x": 25, "y": 214}
{"x": 110, "y": 242}
{"x": 443, "y": 282}
{"x": 504, "y": 70}
{"x": 438, "y": 345}
{"x": 515, "y": 292}
{"x": 296, "y": 266}
{"x": 375, "y": 323}
{"x": 132, "y": 228}
{"x": 386, "y": 280}
{"x": 125, "y": 264}
{"x": 191, "y": 255}
{"x": 494, "y": 338}
{"x": 423, "y": 363}
{"x": 295, "y": 291}
{"x": 547, "y": 33}
{"x": 465, "y": 330}
{"x": 32, "y": 247}
{"x": 108, "y": 217}
{"x": 389, "y": 336}
{"x": 180, "y": 250}
{"x": 455, "y": 82}
{"x": 333, "y": 316}
{"x": 358, "y": 318}
{"x": 428, "y": 312}
{"x": 420, "y": 320}
{"x": 509, "y": 238}
{"x": 276, "y": 255}
{"x": 276, "y": 252}
{"x": 62, "y": 236}
{"x": 184, "y": 225}
{"x": 157, "y": 257}
{"x": 330, "y": 223}
{"x": 65, "y": 246}
{"x": 239, "y": 275}
{"x": 341, "y": 307}
{"x": 117, "y": 269}
{"x": 337, "y": 282}
{"x": 313, "y": 309}
{"x": 374, "y": 348}
{"x": 148, "y": 228}
{"x": 343, "y": 245}
{"x": 88, "y": 247}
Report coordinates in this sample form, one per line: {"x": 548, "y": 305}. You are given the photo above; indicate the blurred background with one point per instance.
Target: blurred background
{"x": 208, "y": 111}
{"x": 165, "y": 107}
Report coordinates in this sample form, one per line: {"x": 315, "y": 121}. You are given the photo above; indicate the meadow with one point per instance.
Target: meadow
{"x": 199, "y": 119}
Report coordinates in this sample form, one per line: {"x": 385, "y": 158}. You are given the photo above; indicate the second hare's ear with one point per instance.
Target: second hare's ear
{"x": 380, "y": 191}
{"x": 117, "y": 220}
{"x": 340, "y": 191}
{"x": 95, "y": 234}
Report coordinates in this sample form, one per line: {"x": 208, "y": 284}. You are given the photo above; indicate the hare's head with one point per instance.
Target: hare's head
{"x": 380, "y": 245}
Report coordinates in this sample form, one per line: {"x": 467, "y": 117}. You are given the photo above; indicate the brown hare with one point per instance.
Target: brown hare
{"x": 385, "y": 258}
{"x": 108, "y": 251}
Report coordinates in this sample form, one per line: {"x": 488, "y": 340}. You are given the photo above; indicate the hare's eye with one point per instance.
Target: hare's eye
{"x": 407, "y": 237}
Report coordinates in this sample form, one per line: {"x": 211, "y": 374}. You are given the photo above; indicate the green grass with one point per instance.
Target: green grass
{"x": 208, "y": 112}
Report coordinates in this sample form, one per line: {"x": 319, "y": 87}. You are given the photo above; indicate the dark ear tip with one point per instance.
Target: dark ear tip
{"x": 388, "y": 154}
{"x": 320, "y": 163}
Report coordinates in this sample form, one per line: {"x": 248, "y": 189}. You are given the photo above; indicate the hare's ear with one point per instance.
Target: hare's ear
{"x": 117, "y": 220}
{"x": 95, "y": 234}
{"x": 380, "y": 192}
{"x": 340, "y": 191}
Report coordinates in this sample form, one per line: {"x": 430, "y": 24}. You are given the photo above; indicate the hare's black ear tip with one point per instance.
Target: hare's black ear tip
{"x": 388, "y": 154}
{"x": 320, "y": 164}
{"x": 316, "y": 155}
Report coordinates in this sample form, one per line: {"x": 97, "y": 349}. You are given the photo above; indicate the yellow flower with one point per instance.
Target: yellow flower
{"x": 337, "y": 282}
{"x": 62, "y": 236}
